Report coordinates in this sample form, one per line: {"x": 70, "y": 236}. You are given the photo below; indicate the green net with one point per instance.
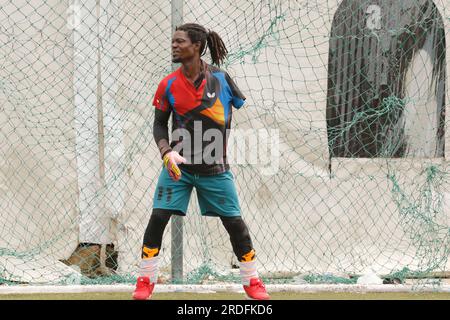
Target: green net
{"x": 345, "y": 104}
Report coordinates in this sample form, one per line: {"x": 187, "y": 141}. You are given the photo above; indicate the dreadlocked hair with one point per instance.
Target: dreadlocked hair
{"x": 216, "y": 46}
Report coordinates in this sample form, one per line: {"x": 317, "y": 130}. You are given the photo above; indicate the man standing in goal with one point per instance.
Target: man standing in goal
{"x": 200, "y": 98}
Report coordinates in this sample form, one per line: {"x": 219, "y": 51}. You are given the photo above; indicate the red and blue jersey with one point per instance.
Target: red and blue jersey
{"x": 196, "y": 108}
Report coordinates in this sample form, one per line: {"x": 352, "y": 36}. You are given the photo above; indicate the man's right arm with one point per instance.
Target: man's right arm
{"x": 161, "y": 131}
{"x": 161, "y": 134}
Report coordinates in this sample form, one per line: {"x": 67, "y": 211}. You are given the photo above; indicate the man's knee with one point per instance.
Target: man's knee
{"x": 154, "y": 232}
{"x": 240, "y": 238}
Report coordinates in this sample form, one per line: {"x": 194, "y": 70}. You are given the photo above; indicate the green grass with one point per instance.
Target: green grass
{"x": 233, "y": 296}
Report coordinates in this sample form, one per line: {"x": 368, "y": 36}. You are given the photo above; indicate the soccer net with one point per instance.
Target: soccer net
{"x": 340, "y": 155}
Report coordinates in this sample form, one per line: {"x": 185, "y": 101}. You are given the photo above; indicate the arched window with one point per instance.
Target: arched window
{"x": 386, "y": 80}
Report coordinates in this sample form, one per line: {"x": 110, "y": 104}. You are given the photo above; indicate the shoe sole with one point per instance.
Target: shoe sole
{"x": 148, "y": 298}
{"x": 250, "y": 298}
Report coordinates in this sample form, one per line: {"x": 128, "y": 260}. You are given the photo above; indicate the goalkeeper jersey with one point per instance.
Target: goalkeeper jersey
{"x": 201, "y": 117}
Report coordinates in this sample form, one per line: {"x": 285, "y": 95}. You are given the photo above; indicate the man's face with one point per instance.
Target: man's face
{"x": 182, "y": 47}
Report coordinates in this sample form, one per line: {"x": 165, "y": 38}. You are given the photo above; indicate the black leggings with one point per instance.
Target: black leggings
{"x": 235, "y": 226}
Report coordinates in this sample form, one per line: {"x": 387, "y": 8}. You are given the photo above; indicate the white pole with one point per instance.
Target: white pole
{"x": 88, "y": 144}
{"x": 177, "y": 221}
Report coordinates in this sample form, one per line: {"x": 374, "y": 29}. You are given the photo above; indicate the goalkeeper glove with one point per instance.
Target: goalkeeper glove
{"x": 171, "y": 161}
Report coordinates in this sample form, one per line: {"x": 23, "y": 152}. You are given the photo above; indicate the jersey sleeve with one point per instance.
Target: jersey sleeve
{"x": 237, "y": 99}
{"x": 160, "y": 100}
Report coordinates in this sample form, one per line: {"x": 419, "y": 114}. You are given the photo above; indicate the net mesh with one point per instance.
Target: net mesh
{"x": 346, "y": 99}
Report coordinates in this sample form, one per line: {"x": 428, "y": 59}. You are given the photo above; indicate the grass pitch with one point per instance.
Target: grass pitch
{"x": 234, "y": 296}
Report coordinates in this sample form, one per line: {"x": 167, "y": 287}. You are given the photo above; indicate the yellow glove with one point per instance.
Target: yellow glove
{"x": 171, "y": 161}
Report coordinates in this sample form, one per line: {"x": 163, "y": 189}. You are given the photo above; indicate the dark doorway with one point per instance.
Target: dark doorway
{"x": 376, "y": 51}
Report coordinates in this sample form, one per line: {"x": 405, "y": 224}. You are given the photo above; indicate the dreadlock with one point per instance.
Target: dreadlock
{"x": 216, "y": 46}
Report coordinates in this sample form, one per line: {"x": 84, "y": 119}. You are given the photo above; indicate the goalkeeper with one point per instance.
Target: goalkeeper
{"x": 200, "y": 98}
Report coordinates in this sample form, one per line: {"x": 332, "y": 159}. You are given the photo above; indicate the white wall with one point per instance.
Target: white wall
{"x": 38, "y": 180}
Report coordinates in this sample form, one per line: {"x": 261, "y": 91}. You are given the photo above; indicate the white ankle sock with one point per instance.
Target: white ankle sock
{"x": 248, "y": 271}
{"x": 149, "y": 268}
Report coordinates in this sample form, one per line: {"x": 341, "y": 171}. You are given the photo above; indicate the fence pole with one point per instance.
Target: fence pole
{"x": 177, "y": 221}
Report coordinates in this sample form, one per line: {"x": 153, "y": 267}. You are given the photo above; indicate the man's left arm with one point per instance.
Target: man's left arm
{"x": 238, "y": 98}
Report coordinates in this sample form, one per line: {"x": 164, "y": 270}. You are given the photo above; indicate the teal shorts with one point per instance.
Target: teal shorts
{"x": 216, "y": 194}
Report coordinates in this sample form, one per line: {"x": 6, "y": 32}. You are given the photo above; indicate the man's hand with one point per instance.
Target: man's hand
{"x": 171, "y": 161}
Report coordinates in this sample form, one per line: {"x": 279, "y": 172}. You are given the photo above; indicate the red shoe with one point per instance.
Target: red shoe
{"x": 144, "y": 289}
{"x": 256, "y": 290}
